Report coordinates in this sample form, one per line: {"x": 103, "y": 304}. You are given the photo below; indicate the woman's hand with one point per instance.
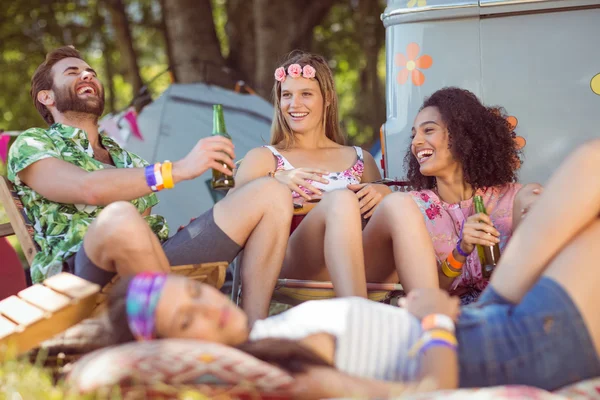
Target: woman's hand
{"x": 423, "y": 302}
{"x": 294, "y": 178}
{"x": 369, "y": 196}
{"x": 478, "y": 229}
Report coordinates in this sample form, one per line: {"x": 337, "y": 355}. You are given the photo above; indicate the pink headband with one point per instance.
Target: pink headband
{"x": 295, "y": 71}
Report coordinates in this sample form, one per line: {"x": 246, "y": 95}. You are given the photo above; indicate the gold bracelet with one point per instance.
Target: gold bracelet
{"x": 448, "y": 272}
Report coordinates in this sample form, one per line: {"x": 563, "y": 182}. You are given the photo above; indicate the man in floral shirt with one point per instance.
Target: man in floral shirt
{"x": 91, "y": 200}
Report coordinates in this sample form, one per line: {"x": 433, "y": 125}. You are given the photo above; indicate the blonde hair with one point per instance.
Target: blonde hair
{"x": 280, "y": 130}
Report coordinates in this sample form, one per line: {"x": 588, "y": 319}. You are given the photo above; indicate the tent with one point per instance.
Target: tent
{"x": 173, "y": 124}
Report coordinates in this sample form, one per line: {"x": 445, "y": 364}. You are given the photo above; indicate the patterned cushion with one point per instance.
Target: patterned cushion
{"x": 584, "y": 390}
{"x": 218, "y": 371}
{"x": 176, "y": 362}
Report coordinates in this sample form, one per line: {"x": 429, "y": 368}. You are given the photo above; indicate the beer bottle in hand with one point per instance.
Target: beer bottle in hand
{"x": 488, "y": 255}
{"x": 220, "y": 181}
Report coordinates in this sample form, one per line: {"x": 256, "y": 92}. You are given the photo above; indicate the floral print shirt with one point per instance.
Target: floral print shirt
{"x": 337, "y": 180}
{"x": 444, "y": 222}
{"x": 59, "y": 227}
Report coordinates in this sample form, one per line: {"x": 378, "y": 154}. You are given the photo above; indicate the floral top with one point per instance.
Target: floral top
{"x": 444, "y": 222}
{"x": 59, "y": 227}
{"x": 337, "y": 180}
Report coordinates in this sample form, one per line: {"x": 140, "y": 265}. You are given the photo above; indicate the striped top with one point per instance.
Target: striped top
{"x": 372, "y": 339}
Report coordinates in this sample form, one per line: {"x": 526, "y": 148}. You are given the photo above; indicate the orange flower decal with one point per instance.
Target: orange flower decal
{"x": 416, "y": 3}
{"x": 411, "y": 65}
{"x": 519, "y": 140}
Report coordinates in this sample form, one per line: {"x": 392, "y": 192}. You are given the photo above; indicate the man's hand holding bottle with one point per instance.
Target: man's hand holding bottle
{"x": 210, "y": 152}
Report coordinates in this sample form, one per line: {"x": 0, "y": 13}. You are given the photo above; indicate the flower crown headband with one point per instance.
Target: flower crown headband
{"x": 295, "y": 71}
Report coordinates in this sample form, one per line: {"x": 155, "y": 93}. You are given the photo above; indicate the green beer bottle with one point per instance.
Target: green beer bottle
{"x": 488, "y": 255}
{"x": 220, "y": 181}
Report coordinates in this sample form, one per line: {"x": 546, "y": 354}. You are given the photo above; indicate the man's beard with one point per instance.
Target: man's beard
{"x": 68, "y": 101}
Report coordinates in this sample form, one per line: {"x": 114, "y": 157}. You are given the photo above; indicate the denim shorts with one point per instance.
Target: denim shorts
{"x": 542, "y": 341}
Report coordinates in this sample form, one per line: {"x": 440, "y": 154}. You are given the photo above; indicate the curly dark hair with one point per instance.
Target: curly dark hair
{"x": 480, "y": 138}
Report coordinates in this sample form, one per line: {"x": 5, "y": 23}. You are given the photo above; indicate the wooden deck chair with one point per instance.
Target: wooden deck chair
{"x": 44, "y": 310}
{"x": 18, "y": 224}
{"x": 294, "y": 291}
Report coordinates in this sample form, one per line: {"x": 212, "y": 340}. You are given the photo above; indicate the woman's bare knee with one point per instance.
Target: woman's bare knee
{"x": 340, "y": 201}
{"x": 397, "y": 205}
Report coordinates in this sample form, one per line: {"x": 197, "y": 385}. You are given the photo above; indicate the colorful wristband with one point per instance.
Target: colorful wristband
{"x": 454, "y": 263}
{"x": 438, "y": 336}
{"x": 437, "y": 321}
{"x": 167, "y": 174}
{"x": 158, "y": 177}
{"x": 150, "y": 178}
{"x": 459, "y": 250}
{"x": 436, "y": 343}
{"x": 448, "y": 272}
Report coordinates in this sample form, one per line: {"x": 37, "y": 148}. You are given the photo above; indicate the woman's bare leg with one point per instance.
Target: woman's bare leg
{"x": 257, "y": 216}
{"x": 576, "y": 269}
{"x": 569, "y": 204}
{"x": 327, "y": 245}
{"x": 397, "y": 245}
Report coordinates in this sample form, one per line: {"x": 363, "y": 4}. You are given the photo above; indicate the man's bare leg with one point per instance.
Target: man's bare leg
{"x": 121, "y": 241}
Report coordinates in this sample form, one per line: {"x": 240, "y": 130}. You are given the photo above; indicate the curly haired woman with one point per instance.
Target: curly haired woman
{"x": 460, "y": 148}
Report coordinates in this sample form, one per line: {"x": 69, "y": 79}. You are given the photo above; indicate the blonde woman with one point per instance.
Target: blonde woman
{"x": 307, "y": 153}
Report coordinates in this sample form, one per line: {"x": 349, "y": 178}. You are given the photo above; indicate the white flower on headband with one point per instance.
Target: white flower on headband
{"x": 280, "y": 74}
{"x": 295, "y": 70}
{"x": 308, "y": 72}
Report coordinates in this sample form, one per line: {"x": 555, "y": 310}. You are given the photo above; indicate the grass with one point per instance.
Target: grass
{"x": 21, "y": 379}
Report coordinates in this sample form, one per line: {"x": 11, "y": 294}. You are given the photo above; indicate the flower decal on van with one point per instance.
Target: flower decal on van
{"x": 595, "y": 84}
{"x": 519, "y": 140}
{"x": 416, "y": 3}
{"x": 412, "y": 65}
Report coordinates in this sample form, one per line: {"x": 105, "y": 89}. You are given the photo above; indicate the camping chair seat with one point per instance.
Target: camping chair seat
{"x": 295, "y": 291}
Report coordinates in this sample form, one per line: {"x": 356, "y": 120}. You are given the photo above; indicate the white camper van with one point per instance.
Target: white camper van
{"x": 539, "y": 59}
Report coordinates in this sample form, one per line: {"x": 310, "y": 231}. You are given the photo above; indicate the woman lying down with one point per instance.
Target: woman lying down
{"x": 536, "y": 324}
